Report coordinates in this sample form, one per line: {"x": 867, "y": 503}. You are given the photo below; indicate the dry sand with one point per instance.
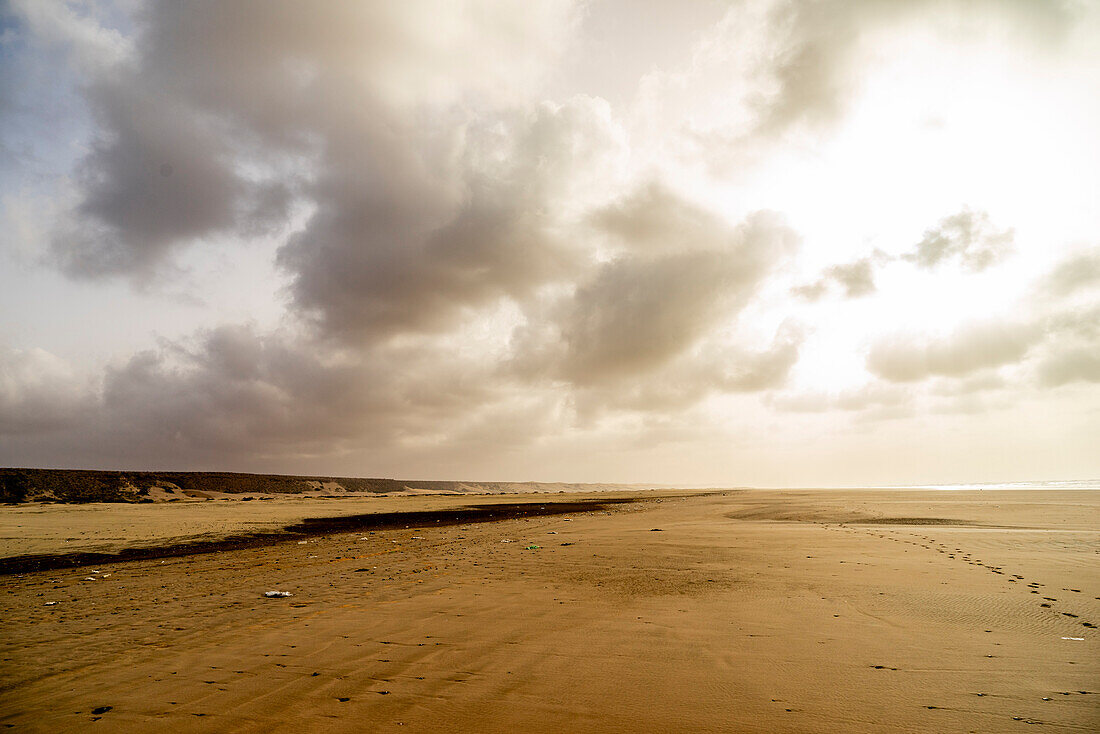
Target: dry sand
{"x": 754, "y": 611}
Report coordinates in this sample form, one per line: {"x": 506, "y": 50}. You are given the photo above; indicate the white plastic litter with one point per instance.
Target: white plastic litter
{"x": 301, "y": 542}
{"x": 277, "y": 594}
{"x": 50, "y": 603}
{"x": 1073, "y": 638}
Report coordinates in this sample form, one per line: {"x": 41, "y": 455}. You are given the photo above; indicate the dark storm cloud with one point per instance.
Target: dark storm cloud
{"x": 233, "y": 393}
{"x": 159, "y": 177}
{"x": 424, "y": 242}
{"x": 221, "y": 103}
{"x": 968, "y": 237}
{"x": 694, "y": 376}
{"x": 653, "y": 219}
{"x": 682, "y": 274}
{"x": 431, "y": 189}
{"x": 38, "y": 394}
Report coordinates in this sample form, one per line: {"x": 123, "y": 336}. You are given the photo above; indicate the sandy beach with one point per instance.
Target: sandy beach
{"x": 742, "y": 611}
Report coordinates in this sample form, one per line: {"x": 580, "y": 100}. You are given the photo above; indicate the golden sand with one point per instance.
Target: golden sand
{"x": 753, "y": 611}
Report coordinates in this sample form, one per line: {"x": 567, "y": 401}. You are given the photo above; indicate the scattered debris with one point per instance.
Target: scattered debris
{"x": 656, "y": 530}
{"x": 101, "y": 710}
{"x": 533, "y": 547}
{"x": 277, "y": 594}
{"x": 50, "y": 603}
{"x": 302, "y": 542}
{"x": 1073, "y": 638}
{"x": 552, "y": 532}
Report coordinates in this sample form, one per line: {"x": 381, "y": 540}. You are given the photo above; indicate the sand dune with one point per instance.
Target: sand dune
{"x": 745, "y": 611}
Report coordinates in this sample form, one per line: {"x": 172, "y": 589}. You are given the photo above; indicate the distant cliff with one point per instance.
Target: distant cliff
{"x": 80, "y": 485}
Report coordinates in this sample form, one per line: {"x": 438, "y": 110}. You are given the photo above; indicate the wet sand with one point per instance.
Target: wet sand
{"x": 752, "y": 611}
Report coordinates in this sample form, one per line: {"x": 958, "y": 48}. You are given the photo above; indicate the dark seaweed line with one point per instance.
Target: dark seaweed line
{"x": 310, "y": 527}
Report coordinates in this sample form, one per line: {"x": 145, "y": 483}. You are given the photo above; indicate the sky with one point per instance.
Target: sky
{"x": 736, "y": 243}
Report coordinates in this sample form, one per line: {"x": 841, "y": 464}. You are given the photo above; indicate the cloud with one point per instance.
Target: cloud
{"x": 967, "y": 236}
{"x": 1078, "y": 363}
{"x": 39, "y": 393}
{"x": 1079, "y": 272}
{"x": 857, "y": 279}
{"x": 468, "y": 268}
{"x": 88, "y": 41}
{"x": 876, "y": 398}
{"x": 359, "y": 105}
{"x": 1073, "y": 343}
{"x": 978, "y": 383}
{"x": 428, "y": 240}
{"x": 775, "y": 70}
{"x": 713, "y": 369}
{"x": 161, "y": 177}
{"x": 1058, "y": 346}
{"x": 233, "y": 393}
{"x": 653, "y": 219}
{"x": 679, "y": 277}
{"x": 974, "y": 347}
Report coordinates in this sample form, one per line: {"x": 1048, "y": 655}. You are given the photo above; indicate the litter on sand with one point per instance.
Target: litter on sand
{"x": 302, "y": 542}
{"x": 276, "y": 594}
{"x": 533, "y": 547}
{"x": 50, "y": 603}
{"x": 1073, "y": 638}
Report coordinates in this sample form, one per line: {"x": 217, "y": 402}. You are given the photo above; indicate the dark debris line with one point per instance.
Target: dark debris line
{"x": 310, "y": 527}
